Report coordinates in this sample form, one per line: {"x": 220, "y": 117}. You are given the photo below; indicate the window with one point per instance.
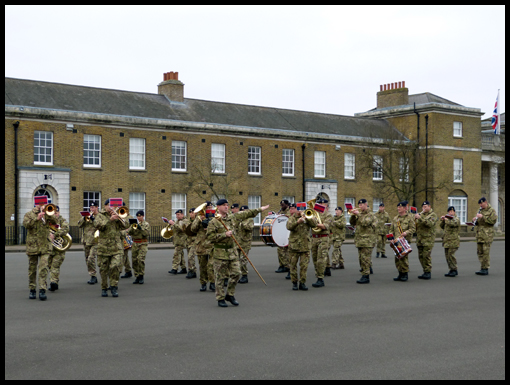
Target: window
{"x": 377, "y": 202}
{"x": 287, "y": 162}
{"x": 404, "y": 169}
{"x": 89, "y": 197}
{"x": 457, "y": 129}
{"x": 460, "y": 204}
{"x": 289, "y": 198}
{"x": 178, "y": 156}
{"x": 43, "y": 147}
{"x": 254, "y": 203}
{"x": 215, "y": 198}
{"x": 92, "y": 150}
{"x": 178, "y": 203}
{"x": 378, "y": 165}
{"x": 254, "y": 156}
{"x": 136, "y": 154}
{"x": 352, "y": 201}
{"x": 136, "y": 203}
{"x": 217, "y": 158}
{"x": 457, "y": 170}
{"x": 320, "y": 164}
{"x": 349, "y": 166}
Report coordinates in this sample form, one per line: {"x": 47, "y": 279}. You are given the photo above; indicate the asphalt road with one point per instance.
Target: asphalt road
{"x": 445, "y": 328}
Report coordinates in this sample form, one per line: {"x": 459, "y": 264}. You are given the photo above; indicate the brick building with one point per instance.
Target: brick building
{"x": 162, "y": 152}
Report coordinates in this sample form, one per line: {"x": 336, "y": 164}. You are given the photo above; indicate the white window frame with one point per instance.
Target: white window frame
{"x": 136, "y": 153}
{"x": 457, "y": 170}
{"x": 377, "y": 173}
{"x": 136, "y": 203}
{"x": 218, "y": 158}
{"x": 352, "y": 201}
{"x": 287, "y": 162}
{"x": 319, "y": 164}
{"x": 289, "y": 198}
{"x": 254, "y": 203}
{"x": 179, "y": 155}
{"x": 254, "y": 160}
{"x": 349, "y": 166}
{"x": 376, "y": 202}
{"x": 460, "y": 204}
{"x": 401, "y": 164}
{"x": 178, "y": 203}
{"x": 92, "y": 151}
{"x": 457, "y": 129}
{"x": 92, "y": 196}
{"x": 38, "y": 148}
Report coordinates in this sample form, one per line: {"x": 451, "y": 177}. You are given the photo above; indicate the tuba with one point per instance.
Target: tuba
{"x": 311, "y": 213}
{"x": 60, "y": 243}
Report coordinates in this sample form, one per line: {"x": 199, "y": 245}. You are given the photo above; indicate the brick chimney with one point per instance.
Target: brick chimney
{"x": 393, "y": 94}
{"x": 172, "y": 87}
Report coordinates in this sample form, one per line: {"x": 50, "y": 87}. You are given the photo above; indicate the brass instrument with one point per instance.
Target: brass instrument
{"x": 50, "y": 209}
{"x": 311, "y": 213}
{"x": 200, "y": 210}
{"x": 60, "y": 243}
{"x": 354, "y": 208}
{"x": 476, "y": 220}
{"x": 122, "y": 212}
{"x": 167, "y": 231}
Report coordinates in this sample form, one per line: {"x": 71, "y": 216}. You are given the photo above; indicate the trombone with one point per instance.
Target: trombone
{"x": 122, "y": 212}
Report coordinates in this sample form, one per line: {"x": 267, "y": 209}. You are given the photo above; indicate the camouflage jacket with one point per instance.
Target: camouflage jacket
{"x": 382, "y": 218}
{"x": 485, "y": 225}
{"x": 366, "y": 224}
{"x": 180, "y": 237}
{"x": 338, "y": 228}
{"x": 142, "y": 232}
{"x": 299, "y": 237}
{"x": 109, "y": 242}
{"x": 327, "y": 221}
{"x": 407, "y": 223}
{"x": 203, "y": 245}
{"x": 451, "y": 227}
{"x": 88, "y": 231}
{"x": 244, "y": 232}
{"x": 38, "y": 241}
{"x": 224, "y": 247}
{"x": 426, "y": 229}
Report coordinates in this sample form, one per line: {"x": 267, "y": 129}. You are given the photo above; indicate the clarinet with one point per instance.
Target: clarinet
{"x": 476, "y": 220}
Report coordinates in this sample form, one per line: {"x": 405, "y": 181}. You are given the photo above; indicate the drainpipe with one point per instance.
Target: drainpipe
{"x": 416, "y": 153}
{"x": 16, "y": 125}
{"x": 303, "y": 146}
{"x": 426, "y": 157}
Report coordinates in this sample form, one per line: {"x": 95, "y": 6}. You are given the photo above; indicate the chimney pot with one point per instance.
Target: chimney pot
{"x": 381, "y": 87}
{"x": 176, "y": 75}
{"x": 164, "y": 76}
{"x": 404, "y": 84}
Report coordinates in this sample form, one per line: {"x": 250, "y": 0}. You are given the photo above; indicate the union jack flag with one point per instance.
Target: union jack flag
{"x": 495, "y": 117}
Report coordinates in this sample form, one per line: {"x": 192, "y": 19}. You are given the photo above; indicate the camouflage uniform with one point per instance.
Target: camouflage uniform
{"x": 338, "y": 237}
{"x": 109, "y": 248}
{"x": 89, "y": 245}
{"x": 365, "y": 223}
{"x": 320, "y": 244}
{"x": 203, "y": 249}
{"x": 451, "y": 240}
{"x": 38, "y": 247}
{"x": 190, "y": 247}
{"x": 226, "y": 260}
{"x": 485, "y": 235}
{"x": 283, "y": 252}
{"x": 426, "y": 235}
{"x": 180, "y": 239}
{"x": 140, "y": 246}
{"x": 56, "y": 256}
{"x": 244, "y": 237}
{"x": 381, "y": 230}
{"x": 299, "y": 247}
{"x": 408, "y": 224}
{"x": 125, "y": 255}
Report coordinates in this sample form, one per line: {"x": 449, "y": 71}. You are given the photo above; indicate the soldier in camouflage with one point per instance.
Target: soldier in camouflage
{"x": 320, "y": 244}
{"x": 109, "y": 248}
{"x": 451, "y": 240}
{"x": 203, "y": 249}
{"x": 485, "y": 219}
{"x": 191, "y": 245}
{"x": 244, "y": 237}
{"x": 39, "y": 248}
{"x": 426, "y": 235}
{"x": 299, "y": 246}
{"x": 90, "y": 242}
{"x": 283, "y": 252}
{"x": 140, "y": 246}
{"x": 382, "y": 218}
{"x": 338, "y": 238}
{"x": 56, "y": 256}
{"x": 224, "y": 252}
{"x": 407, "y": 224}
{"x": 180, "y": 239}
{"x": 366, "y": 224}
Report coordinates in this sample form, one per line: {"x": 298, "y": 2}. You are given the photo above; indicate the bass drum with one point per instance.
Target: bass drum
{"x": 273, "y": 230}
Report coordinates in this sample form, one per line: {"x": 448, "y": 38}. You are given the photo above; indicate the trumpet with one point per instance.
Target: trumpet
{"x": 50, "y": 209}
{"x": 354, "y": 208}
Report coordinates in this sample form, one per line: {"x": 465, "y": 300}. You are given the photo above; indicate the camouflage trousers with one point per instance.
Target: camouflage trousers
{"x": 449, "y": 254}
{"x": 381, "y": 243}
{"x": 320, "y": 251}
{"x": 125, "y": 261}
{"x": 226, "y": 268}
{"x": 304, "y": 260}
{"x": 425, "y": 257}
{"x": 192, "y": 266}
{"x": 483, "y": 252}
{"x": 283, "y": 256}
{"x": 54, "y": 262}
{"x": 109, "y": 268}
{"x": 37, "y": 264}
{"x": 205, "y": 264}
{"x": 365, "y": 259}
{"x": 337, "y": 253}
{"x": 243, "y": 260}
{"x": 178, "y": 261}
{"x": 402, "y": 264}
{"x": 91, "y": 258}
{"x": 138, "y": 254}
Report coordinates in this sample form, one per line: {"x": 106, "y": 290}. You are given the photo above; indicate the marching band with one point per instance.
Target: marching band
{"x": 221, "y": 239}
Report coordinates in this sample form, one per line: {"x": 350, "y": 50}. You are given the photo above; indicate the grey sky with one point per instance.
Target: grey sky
{"x": 328, "y": 59}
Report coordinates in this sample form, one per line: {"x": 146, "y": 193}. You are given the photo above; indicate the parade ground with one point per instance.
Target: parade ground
{"x": 166, "y": 329}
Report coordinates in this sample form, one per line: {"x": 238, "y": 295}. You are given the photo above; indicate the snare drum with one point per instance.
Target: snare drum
{"x": 273, "y": 230}
{"x": 400, "y": 247}
{"x": 127, "y": 242}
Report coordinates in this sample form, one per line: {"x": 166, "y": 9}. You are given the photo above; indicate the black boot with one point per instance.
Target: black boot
{"x": 137, "y": 280}
{"x": 104, "y": 292}
{"x": 127, "y": 275}
{"x": 173, "y": 271}
{"x": 182, "y": 271}
{"x": 191, "y": 274}
{"x": 364, "y": 279}
{"x": 244, "y": 279}
{"x": 114, "y": 291}
{"x": 383, "y": 255}
{"x": 294, "y": 286}
{"x": 404, "y": 277}
{"x": 232, "y": 300}
{"x": 92, "y": 280}
{"x": 327, "y": 271}
{"x": 203, "y": 287}
{"x": 140, "y": 279}
{"x": 222, "y": 303}
{"x": 302, "y": 286}
{"x": 281, "y": 269}
{"x": 483, "y": 272}
{"x": 319, "y": 283}
{"x": 31, "y": 295}
{"x": 450, "y": 274}
{"x": 42, "y": 294}
{"x": 53, "y": 286}
{"x": 288, "y": 275}
{"x": 425, "y": 275}
{"x": 212, "y": 286}
{"x": 371, "y": 270}
{"x": 377, "y": 255}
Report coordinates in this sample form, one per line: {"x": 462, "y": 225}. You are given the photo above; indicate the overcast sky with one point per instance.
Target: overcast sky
{"x": 328, "y": 59}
